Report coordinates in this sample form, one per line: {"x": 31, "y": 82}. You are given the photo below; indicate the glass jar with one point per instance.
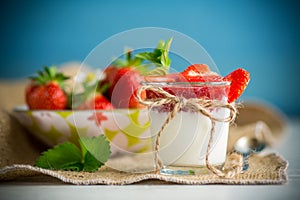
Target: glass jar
{"x": 184, "y": 140}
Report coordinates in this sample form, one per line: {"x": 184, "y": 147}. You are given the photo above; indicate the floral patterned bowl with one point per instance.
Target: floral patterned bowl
{"x": 126, "y": 129}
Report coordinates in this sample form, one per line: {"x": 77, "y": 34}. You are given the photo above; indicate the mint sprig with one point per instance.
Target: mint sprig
{"x": 129, "y": 60}
{"x": 144, "y": 61}
{"x": 92, "y": 154}
{"x": 159, "y": 57}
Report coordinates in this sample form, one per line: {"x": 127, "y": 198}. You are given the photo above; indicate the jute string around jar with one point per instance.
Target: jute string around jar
{"x": 202, "y": 106}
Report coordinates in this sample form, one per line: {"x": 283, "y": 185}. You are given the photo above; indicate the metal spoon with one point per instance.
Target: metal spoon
{"x": 247, "y": 146}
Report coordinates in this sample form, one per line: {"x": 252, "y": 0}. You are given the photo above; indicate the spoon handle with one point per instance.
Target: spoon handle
{"x": 245, "y": 161}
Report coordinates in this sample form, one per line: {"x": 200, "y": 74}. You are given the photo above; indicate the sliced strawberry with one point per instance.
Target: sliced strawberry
{"x": 207, "y": 77}
{"x": 239, "y": 80}
{"x": 197, "y": 81}
{"x": 166, "y": 78}
{"x": 200, "y": 73}
{"x": 195, "y": 69}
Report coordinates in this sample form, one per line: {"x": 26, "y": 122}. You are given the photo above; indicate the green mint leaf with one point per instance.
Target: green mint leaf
{"x": 144, "y": 68}
{"x": 158, "y": 71}
{"x": 165, "y": 60}
{"x": 157, "y": 61}
{"x": 97, "y": 146}
{"x": 91, "y": 164}
{"x": 64, "y": 156}
{"x": 159, "y": 57}
{"x": 120, "y": 62}
{"x": 160, "y": 44}
{"x": 148, "y": 56}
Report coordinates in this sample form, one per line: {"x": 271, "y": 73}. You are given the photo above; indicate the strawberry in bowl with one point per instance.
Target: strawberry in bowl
{"x": 46, "y": 91}
{"x": 101, "y": 107}
{"x": 124, "y": 76}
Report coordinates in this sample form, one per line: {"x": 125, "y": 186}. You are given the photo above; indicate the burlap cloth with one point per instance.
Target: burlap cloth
{"x": 19, "y": 150}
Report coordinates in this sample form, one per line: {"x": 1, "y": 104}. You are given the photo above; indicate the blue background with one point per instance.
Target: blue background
{"x": 261, "y": 36}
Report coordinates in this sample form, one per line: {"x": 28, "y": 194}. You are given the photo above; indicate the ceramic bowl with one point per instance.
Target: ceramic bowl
{"x": 126, "y": 129}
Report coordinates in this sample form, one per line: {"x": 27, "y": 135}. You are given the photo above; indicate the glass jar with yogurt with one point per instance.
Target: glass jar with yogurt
{"x": 184, "y": 140}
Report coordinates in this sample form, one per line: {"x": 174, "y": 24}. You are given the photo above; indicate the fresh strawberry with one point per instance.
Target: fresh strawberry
{"x": 166, "y": 78}
{"x": 196, "y": 81}
{"x": 199, "y": 73}
{"x": 46, "y": 91}
{"x": 195, "y": 70}
{"x": 124, "y": 75}
{"x": 92, "y": 97}
{"x": 159, "y": 79}
{"x": 124, "y": 88}
{"x": 239, "y": 80}
{"x": 208, "y": 77}
{"x": 123, "y": 83}
{"x": 98, "y": 102}
{"x": 110, "y": 75}
{"x": 108, "y": 80}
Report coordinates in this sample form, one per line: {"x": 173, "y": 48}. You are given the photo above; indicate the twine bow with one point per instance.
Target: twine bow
{"x": 202, "y": 106}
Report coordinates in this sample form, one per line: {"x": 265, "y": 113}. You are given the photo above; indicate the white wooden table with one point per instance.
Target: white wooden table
{"x": 24, "y": 189}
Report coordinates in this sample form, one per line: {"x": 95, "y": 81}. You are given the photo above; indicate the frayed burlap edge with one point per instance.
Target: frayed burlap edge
{"x": 269, "y": 169}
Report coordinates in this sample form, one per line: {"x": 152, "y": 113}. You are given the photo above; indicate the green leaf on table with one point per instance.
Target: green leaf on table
{"x": 93, "y": 154}
{"x": 97, "y": 147}
{"x": 64, "y": 156}
{"x": 91, "y": 164}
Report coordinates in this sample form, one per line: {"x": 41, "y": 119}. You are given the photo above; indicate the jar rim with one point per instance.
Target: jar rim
{"x": 162, "y": 83}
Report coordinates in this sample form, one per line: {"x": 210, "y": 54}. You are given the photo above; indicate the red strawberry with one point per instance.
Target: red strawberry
{"x": 45, "y": 92}
{"x": 190, "y": 86}
{"x": 195, "y": 69}
{"x": 199, "y": 73}
{"x": 239, "y": 80}
{"x": 98, "y": 102}
{"x": 92, "y": 97}
{"x": 110, "y": 75}
{"x": 209, "y": 77}
{"x": 165, "y": 78}
{"x": 124, "y": 88}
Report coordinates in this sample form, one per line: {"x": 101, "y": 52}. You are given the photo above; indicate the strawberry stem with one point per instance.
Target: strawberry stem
{"x": 49, "y": 74}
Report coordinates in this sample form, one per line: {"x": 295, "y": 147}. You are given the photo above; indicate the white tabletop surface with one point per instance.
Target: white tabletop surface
{"x": 289, "y": 149}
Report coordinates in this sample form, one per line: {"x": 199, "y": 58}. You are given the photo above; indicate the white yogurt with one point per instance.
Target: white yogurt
{"x": 184, "y": 141}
